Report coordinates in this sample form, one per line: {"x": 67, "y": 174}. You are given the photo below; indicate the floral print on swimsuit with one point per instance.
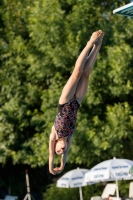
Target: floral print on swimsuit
{"x": 65, "y": 121}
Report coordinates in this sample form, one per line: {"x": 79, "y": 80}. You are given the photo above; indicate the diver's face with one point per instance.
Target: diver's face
{"x": 61, "y": 146}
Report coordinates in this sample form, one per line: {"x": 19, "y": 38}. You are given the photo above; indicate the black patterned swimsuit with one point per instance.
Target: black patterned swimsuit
{"x": 65, "y": 121}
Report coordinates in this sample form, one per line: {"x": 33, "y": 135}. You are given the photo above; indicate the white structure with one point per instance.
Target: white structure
{"x": 126, "y": 10}
{"x": 111, "y": 170}
{"x": 131, "y": 190}
{"x": 109, "y": 189}
{"x": 73, "y": 178}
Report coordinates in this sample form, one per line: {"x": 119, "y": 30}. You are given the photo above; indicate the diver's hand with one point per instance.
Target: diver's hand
{"x": 58, "y": 170}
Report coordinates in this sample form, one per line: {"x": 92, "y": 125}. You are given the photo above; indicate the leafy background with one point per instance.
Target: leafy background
{"x": 39, "y": 44}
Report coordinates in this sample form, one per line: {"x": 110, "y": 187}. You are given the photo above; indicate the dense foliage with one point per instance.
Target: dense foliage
{"x": 39, "y": 44}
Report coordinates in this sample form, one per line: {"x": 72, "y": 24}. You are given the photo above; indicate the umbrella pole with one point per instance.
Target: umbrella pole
{"x": 80, "y": 193}
{"x": 117, "y": 190}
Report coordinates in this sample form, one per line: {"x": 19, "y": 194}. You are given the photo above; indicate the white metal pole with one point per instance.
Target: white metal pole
{"x": 28, "y": 185}
{"x": 80, "y": 193}
{"x": 117, "y": 189}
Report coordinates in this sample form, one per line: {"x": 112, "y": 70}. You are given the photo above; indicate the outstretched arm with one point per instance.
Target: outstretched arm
{"x": 51, "y": 153}
{"x": 58, "y": 170}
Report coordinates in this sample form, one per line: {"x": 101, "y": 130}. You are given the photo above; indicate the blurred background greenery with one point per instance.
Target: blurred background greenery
{"x": 40, "y": 41}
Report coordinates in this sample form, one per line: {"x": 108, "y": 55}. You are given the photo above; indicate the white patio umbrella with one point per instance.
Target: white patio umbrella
{"x": 111, "y": 170}
{"x": 72, "y": 179}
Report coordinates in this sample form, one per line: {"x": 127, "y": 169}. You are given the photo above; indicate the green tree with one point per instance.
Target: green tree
{"x": 40, "y": 41}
